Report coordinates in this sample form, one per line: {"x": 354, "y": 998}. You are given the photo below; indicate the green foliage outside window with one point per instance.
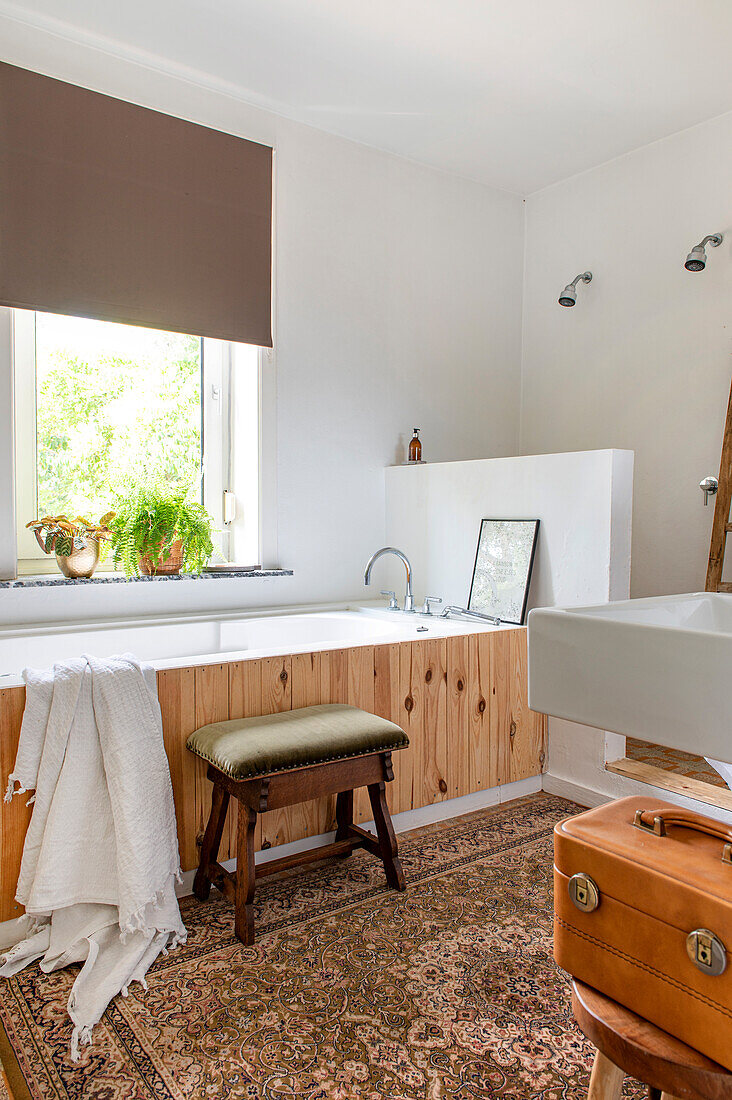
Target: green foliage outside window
{"x": 128, "y": 406}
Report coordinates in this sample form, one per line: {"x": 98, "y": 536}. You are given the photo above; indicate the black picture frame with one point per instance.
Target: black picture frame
{"x": 517, "y": 593}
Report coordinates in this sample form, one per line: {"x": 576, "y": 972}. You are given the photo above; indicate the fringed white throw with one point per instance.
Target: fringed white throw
{"x": 100, "y": 861}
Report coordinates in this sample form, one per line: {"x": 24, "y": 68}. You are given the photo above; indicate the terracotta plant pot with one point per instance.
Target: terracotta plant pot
{"x": 80, "y": 563}
{"x": 163, "y": 567}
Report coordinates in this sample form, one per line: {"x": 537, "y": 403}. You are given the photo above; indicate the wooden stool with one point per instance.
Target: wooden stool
{"x": 628, "y": 1044}
{"x": 279, "y": 759}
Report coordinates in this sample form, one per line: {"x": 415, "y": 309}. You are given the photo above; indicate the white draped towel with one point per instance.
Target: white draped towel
{"x": 100, "y": 860}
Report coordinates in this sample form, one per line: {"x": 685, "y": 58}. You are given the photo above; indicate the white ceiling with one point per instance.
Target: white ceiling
{"x": 514, "y": 93}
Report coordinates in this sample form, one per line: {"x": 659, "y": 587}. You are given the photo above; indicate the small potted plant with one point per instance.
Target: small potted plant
{"x": 158, "y": 531}
{"x": 77, "y": 544}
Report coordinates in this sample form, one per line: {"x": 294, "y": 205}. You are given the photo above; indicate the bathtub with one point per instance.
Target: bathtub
{"x": 176, "y": 642}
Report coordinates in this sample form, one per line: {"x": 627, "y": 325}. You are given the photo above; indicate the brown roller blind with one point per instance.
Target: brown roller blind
{"x": 113, "y": 211}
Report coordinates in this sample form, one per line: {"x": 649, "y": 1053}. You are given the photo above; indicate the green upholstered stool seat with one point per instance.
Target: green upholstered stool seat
{"x": 245, "y": 748}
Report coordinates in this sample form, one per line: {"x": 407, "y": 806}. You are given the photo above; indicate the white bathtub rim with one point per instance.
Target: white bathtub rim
{"x": 407, "y": 631}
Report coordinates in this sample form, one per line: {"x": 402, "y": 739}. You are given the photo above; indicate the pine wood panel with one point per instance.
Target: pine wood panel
{"x": 307, "y": 689}
{"x": 500, "y": 707}
{"x": 518, "y": 735}
{"x": 334, "y": 676}
{"x": 423, "y": 671}
{"x": 14, "y": 815}
{"x": 482, "y": 771}
{"x": 245, "y": 689}
{"x": 276, "y": 684}
{"x": 360, "y": 693}
{"x": 528, "y": 744}
{"x": 468, "y": 714}
{"x": 177, "y": 695}
{"x": 276, "y": 697}
{"x": 317, "y": 816}
{"x": 390, "y": 702}
{"x": 212, "y": 705}
{"x": 245, "y": 701}
{"x": 398, "y": 698}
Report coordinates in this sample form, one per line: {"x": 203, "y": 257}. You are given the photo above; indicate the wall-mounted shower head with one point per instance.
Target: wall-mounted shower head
{"x": 697, "y": 258}
{"x": 569, "y": 295}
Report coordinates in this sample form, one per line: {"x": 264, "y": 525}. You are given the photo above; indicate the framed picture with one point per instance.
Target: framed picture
{"x": 502, "y": 570}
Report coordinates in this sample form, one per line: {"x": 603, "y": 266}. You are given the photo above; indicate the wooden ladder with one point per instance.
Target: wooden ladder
{"x": 721, "y": 525}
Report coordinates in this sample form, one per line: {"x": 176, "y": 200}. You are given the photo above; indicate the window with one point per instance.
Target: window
{"x": 98, "y": 405}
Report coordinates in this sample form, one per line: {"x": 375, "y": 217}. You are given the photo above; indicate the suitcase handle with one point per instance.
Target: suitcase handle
{"x": 656, "y": 823}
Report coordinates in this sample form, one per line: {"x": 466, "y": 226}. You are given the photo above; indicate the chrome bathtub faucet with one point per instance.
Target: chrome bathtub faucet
{"x": 409, "y": 595}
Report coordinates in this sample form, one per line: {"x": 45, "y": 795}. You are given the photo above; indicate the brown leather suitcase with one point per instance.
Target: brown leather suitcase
{"x": 643, "y": 913}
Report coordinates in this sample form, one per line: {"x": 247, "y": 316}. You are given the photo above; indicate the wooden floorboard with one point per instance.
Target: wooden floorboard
{"x": 672, "y": 781}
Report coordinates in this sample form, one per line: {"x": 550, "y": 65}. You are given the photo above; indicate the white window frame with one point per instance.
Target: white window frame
{"x": 231, "y": 403}
{"x": 236, "y": 403}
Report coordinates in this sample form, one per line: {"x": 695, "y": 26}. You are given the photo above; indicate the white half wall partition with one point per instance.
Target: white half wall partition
{"x": 584, "y": 501}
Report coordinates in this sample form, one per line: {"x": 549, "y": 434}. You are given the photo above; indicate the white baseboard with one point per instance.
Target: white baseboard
{"x": 410, "y": 819}
{"x": 583, "y": 796}
{"x": 456, "y": 807}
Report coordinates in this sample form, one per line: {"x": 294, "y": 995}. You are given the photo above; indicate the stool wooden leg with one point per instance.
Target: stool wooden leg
{"x": 344, "y": 817}
{"x": 606, "y": 1082}
{"x": 211, "y": 841}
{"x": 243, "y": 907}
{"x": 386, "y": 835}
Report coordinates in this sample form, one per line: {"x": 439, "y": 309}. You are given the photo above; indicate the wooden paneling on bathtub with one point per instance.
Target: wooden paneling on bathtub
{"x": 462, "y": 701}
{"x": 17, "y": 813}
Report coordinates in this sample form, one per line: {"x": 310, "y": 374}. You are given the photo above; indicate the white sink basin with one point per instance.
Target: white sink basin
{"x": 659, "y": 669}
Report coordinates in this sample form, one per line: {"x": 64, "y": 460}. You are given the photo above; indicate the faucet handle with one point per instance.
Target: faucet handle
{"x": 426, "y": 610}
{"x": 393, "y": 605}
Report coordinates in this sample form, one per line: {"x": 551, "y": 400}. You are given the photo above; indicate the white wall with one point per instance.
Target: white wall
{"x": 644, "y": 359}
{"x": 397, "y": 302}
{"x": 583, "y": 501}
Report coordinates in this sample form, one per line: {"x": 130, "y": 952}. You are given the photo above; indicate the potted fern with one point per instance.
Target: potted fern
{"x": 158, "y": 531}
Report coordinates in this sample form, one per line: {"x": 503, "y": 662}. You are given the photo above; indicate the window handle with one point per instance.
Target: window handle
{"x": 229, "y": 509}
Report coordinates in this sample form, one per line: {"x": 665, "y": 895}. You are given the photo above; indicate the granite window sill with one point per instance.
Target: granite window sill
{"x": 54, "y": 581}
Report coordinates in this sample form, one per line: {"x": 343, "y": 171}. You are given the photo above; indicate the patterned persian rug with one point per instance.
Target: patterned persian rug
{"x": 352, "y": 991}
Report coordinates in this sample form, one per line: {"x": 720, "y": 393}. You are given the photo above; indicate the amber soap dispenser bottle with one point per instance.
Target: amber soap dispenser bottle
{"x": 415, "y": 447}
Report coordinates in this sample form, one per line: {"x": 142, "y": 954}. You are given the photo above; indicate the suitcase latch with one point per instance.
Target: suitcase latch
{"x": 706, "y": 951}
{"x": 584, "y": 893}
